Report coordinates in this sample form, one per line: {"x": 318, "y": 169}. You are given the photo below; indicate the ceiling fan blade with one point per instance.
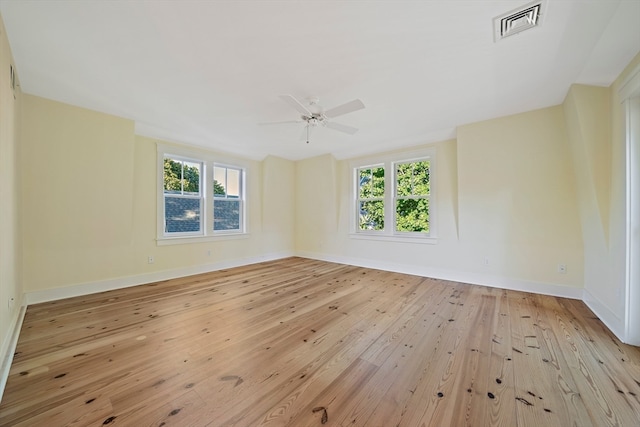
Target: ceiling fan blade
{"x": 296, "y": 104}
{"x": 354, "y": 105}
{"x": 279, "y": 123}
{"x": 342, "y": 128}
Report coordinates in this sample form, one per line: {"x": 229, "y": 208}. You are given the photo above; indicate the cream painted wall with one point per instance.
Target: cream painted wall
{"x": 77, "y": 194}
{"x": 316, "y": 197}
{"x": 505, "y": 191}
{"x": 89, "y": 204}
{"x": 588, "y": 123}
{"x": 10, "y": 260}
{"x": 517, "y": 197}
{"x": 595, "y": 127}
{"x": 278, "y": 214}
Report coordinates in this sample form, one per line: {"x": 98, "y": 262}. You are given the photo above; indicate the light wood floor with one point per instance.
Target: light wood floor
{"x": 298, "y": 342}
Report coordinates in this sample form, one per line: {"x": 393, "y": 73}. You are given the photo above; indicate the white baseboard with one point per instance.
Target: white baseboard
{"x": 604, "y": 313}
{"x": 140, "y": 279}
{"x": 492, "y": 281}
{"x": 9, "y": 345}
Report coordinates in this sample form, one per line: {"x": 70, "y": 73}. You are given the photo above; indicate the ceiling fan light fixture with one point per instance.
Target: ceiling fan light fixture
{"x": 314, "y": 120}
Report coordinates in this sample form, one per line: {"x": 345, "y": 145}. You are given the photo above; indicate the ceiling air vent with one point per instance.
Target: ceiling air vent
{"x": 517, "y": 21}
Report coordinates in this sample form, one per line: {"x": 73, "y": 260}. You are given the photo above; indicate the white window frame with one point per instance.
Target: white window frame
{"x": 208, "y": 160}
{"x": 389, "y": 162}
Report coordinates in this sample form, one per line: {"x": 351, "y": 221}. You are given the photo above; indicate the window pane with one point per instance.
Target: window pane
{"x": 172, "y": 176}
{"x": 226, "y": 214}
{"x": 412, "y": 179}
{"x": 227, "y": 191}
{"x": 372, "y": 215}
{"x": 191, "y": 178}
{"x": 364, "y": 183}
{"x": 181, "y": 177}
{"x": 182, "y": 214}
{"x": 219, "y": 181}
{"x": 403, "y": 179}
{"x": 233, "y": 183}
{"x": 371, "y": 183}
{"x": 378, "y": 182}
{"x": 412, "y": 215}
{"x": 421, "y": 178}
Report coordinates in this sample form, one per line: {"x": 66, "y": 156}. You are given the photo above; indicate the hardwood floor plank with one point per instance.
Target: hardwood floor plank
{"x": 473, "y": 374}
{"x": 335, "y": 397}
{"x": 540, "y": 384}
{"x": 594, "y": 378}
{"x": 294, "y": 342}
{"x": 401, "y": 370}
{"x": 501, "y": 410}
{"x": 433, "y": 391}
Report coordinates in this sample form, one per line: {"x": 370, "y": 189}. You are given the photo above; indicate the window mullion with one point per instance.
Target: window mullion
{"x": 204, "y": 197}
{"x": 395, "y": 197}
{"x": 390, "y": 197}
{"x": 182, "y": 177}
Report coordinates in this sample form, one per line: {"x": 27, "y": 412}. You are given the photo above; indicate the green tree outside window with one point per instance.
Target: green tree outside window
{"x": 371, "y": 198}
{"x": 412, "y": 196}
{"x": 181, "y": 177}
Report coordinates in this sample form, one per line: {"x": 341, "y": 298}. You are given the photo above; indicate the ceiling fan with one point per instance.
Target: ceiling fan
{"x": 316, "y": 116}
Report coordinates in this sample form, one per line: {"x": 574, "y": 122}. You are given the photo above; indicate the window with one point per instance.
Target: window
{"x": 227, "y": 198}
{"x": 182, "y": 196}
{"x": 412, "y": 184}
{"x": 371, "y": 198}
{"x": 197, "y": 197}
{"x": 394, "y": 197}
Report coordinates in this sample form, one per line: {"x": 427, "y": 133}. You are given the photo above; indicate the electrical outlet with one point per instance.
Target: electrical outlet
{"x": 562, "y": 268}
{"x": 485, "y": 261}
{"x": 151, "y": 259}
{"x": 209, "y": 252}
{"x": 11, "y": 303}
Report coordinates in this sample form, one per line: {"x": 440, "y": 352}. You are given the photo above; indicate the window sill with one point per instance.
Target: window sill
{"x": 179, "y": 240}
{"x": 395, "y": 238}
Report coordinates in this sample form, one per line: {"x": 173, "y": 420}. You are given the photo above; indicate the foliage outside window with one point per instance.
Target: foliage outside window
{"x": 412, "y": 185}
{"x": 371, "y": 198}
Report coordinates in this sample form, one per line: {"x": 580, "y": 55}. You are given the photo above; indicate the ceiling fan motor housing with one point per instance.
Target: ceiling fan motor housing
{"x": 315, "y": 119}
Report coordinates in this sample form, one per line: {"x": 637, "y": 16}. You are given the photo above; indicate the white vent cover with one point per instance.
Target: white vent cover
{"x": 518, "y": 20}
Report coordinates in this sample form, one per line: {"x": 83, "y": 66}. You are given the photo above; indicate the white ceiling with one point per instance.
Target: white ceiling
{"x": 207, "y": 72}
